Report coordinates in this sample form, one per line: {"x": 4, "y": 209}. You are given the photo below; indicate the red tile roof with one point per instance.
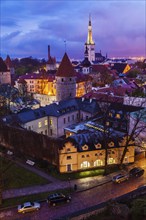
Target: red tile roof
{"x": 99, "y": 68}
{"x": 66, "y": 69}
{"x": 104, "y": 97}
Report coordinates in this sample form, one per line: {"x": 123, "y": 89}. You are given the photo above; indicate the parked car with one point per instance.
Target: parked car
{"x": 120, "y": 178}
{"x": 136, "y": 172}
{"x": 58, "y": 198}
{"x": 28, "y": 207}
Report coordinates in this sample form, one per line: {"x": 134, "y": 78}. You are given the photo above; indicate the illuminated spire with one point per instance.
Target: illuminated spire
{"x": 89, "y": 38}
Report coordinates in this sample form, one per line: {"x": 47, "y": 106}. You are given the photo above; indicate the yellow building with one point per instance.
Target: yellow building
{"x": 77, "y": 154}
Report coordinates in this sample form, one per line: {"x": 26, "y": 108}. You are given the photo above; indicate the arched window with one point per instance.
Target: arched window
{"x": 98, "y": 163}
{"x": 85, "y": 164}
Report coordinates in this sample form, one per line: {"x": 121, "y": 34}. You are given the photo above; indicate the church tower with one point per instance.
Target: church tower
{"x": 90, "y": 43}
{"x": 65, "y": 80}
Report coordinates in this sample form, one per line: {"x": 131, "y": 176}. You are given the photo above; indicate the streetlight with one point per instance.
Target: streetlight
{"x": 69, "y": 185}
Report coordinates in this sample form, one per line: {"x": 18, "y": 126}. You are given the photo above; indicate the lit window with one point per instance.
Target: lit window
{"x": 85, "y": 164}
{"x": 50, "y": 121}
{"x": 40, "y": 124}
{"x": 110, "y": 114}
{"x": 46, "y": 122}
{"x": 118, "y": 116}
{"x": 126, "y": 159}
{"x": 98, "y": 163}
{"x": 111, "y": 160}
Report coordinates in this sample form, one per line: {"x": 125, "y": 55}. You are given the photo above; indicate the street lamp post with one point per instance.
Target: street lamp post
{"x": 69, "y": 185}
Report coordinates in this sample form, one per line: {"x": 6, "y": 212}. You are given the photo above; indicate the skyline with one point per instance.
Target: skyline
{"x": 118, "y": 27}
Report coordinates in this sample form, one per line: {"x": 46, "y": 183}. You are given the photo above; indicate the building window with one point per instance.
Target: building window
{"x": 70, "y": 79}
{"x": 69, "y": 167}
{"x": 96, "y": 154}
{"x": 126, "y": 159}
{"x": 64, "y": 120}
{"x": 50, "y": 121}
{"x": 29, "y": 127}
{"x": 46, "y": 122}
{"x": 45, "y": 132}
{"x": 68, "y": 149}
{"x": 107, "y": 123}
{"x": 40, "y": 124}
{"x": 68, "y": 119}
{"x": 62, "y": 79}
{"x": 83, "y": 156}
{"x": 111, "y": 160}
{"x": 68, "y": 157}
{"x": 51, "y": 132}
{"x": 118, "y": 116}
{"x": 87, "y": 117}
{"x": 87, "y": 155}
{"x": 98, "y": 163}
{"x": 73, "y": 117}
{"x": 85, "y": 164}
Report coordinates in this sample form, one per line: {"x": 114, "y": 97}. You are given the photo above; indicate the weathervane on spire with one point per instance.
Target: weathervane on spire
{"x": 65, "y": 45}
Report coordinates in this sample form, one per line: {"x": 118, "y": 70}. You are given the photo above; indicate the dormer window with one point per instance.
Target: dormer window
{"x": 97, "y": 146}
{"x": 111, "y": 144}
{"x": 85, "y": 147}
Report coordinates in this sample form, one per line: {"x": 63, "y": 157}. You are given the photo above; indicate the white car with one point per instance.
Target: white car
{"x": 28, "y": 207}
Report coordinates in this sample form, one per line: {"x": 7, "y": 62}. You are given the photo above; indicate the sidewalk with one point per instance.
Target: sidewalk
{"x": 82, "y": 184}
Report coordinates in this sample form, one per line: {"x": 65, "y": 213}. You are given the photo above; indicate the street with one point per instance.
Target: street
{"x": 80, "y": 201}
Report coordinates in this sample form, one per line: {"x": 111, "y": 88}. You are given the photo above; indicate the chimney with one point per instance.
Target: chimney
{"x": 48, "y": 52}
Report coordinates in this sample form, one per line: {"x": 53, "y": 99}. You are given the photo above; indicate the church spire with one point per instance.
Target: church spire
{"x": 89, "y": 38}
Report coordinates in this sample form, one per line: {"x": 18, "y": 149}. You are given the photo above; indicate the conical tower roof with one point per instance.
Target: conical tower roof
{"x": 8, "y": 61}
{"x": 65, "y": 69}
{"x": 3, "y": 66}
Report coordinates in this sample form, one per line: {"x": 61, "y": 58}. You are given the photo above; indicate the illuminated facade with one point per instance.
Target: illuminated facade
{"x": 77, "y": 157}
{"x": 66, "y": 83}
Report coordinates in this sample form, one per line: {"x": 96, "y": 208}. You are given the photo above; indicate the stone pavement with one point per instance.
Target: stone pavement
{"x": 82, "y": 184}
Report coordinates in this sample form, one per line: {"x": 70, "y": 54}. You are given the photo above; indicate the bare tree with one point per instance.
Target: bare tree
{"x": 137, "y": 126}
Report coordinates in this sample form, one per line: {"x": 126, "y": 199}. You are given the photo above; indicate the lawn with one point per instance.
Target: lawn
{"x": 14, "y": 176}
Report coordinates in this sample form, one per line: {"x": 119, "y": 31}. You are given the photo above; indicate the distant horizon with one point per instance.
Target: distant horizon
{"x": 118, "y": 28}
{"x": 73, "y": 59}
